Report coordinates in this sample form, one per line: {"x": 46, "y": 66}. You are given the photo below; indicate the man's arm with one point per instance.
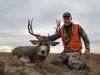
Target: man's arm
{"x": 84, "y": 36}
{"x": 52, "y": 37}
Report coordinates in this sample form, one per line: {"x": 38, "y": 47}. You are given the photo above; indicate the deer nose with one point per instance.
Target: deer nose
{"x": 43, "y": 51}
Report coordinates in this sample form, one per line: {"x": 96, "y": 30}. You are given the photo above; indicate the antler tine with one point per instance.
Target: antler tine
{"x": 30, "y": 28}
{"x": 55, "y": 29}
{"x": 58, "y": 25}
{"x": 31, "y": 21}
{"x": 48, "y": 37}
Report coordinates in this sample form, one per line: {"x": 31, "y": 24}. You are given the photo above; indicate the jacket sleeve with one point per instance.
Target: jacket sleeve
{"x": 52, "y": 37}
{"x": 84, "y": 36}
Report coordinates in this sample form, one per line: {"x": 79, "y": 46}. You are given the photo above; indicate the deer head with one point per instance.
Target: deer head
{"x": 44, "y": 44}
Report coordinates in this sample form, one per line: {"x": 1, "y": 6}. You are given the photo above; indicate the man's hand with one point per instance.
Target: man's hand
{"x": 39, "y": 37}
{"x": 87, "y": 54}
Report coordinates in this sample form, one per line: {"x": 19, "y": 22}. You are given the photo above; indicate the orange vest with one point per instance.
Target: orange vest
{"x": 75, "y": 42}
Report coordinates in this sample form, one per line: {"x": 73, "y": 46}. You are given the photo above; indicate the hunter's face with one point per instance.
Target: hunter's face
{"x": 67, "y": 20}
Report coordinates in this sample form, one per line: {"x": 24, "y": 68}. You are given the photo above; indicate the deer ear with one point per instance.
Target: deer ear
{"x": 34, "y": 42}
{"x": 53, "y": 43}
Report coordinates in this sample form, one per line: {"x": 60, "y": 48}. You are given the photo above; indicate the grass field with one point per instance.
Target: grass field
{"x": 11, "y": 66}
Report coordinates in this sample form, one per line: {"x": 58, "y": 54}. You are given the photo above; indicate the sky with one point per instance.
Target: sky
{"x": 14, "y": 15}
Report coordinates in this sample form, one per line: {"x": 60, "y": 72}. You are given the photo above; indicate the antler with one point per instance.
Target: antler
{"x": 58, "y": 26}
{"x": 30, "y": 27}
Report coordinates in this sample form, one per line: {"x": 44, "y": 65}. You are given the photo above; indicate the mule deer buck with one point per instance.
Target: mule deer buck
{"x": 37, "y": 53}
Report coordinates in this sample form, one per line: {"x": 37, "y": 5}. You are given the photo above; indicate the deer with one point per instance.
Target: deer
{"x": 39, "y": 52}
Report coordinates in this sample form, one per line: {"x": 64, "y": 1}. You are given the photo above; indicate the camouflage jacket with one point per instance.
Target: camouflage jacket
{"x": 67, "y": 31}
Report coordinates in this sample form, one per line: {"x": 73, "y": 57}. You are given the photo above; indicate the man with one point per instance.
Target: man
{"x": 71, "y": 35}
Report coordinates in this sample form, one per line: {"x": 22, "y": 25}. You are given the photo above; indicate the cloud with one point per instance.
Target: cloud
{"x": 15, "y": 14}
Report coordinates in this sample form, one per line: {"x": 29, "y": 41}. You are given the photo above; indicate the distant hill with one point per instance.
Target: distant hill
{"x": 6, "y": 48}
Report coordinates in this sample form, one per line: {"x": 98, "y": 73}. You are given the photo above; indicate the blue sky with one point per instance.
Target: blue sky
{"x": 14, "y": 15}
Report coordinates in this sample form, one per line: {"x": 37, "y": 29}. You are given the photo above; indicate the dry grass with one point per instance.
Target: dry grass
{"x": 11, "y": 66}
{"x": 2, "y": 67}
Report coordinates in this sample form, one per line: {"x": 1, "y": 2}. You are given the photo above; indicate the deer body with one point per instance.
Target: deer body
{"x": 36, "y": 53}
